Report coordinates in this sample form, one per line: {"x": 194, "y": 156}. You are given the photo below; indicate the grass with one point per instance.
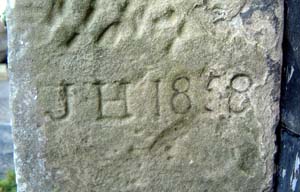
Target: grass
{"x": 9, "y": 183}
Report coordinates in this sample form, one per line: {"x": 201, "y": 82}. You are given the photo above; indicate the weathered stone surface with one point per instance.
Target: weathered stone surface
{"x": 130, "y": 95}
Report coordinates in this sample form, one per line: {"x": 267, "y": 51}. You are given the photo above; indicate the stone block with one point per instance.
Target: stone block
{"x": 142, "y": 96}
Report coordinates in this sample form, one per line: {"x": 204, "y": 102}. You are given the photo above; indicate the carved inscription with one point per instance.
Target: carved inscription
{"x": 58, "y": 99}
{"x": 181, "y": 102}
{"x": 157, "y": 101}
{"x": 239, "y": 100}
{"x": 112, "y": 99}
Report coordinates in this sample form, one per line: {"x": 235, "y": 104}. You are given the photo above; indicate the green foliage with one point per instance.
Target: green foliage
{"x": 9, "y": 183}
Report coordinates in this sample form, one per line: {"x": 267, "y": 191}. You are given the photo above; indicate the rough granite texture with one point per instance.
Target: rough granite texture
{"x": 145, "y": 96}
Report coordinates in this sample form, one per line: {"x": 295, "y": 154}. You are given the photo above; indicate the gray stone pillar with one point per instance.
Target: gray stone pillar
{"x": 142, "y": 96}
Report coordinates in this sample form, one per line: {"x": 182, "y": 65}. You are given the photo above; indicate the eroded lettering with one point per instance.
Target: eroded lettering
{"x": 181, "y": 102}
{"x": 114, "y": 100}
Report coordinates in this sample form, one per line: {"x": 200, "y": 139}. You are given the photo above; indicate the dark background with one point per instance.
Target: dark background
{"x": 288, "y": 157}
